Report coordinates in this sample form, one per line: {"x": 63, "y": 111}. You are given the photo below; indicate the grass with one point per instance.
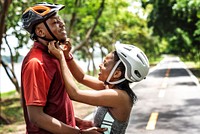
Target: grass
{"x": 11, "y": 111}
{"x": 8, "y": 94}
{"x": 11, "y": 107}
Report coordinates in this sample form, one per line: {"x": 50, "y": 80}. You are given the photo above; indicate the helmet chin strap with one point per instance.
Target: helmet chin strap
{"x": 112, "y": 72}
{"x": 50, "y": 32}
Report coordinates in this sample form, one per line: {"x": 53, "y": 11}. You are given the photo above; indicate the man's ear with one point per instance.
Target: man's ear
{"x": 117, "y": 74}
{"x": 39, "y": 31}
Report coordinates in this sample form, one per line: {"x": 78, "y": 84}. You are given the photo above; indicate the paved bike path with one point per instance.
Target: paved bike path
{"x": 168, "y": 101}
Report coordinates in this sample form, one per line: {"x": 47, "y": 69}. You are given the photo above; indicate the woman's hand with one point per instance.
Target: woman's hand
{"x": 83, "y": 124}
{"x": 58, "y": 49}
{"x": 67, "y": 48}
{"x": 55, "y": 49}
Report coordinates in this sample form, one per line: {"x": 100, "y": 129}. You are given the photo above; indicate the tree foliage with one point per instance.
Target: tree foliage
{"x": 178, "y": 21}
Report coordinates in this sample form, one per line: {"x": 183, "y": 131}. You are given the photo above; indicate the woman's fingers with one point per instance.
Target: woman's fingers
{"x": 51, "y": 45}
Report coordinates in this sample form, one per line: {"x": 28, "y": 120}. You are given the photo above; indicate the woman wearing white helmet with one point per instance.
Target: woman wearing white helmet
{"x": 125, "y": 65}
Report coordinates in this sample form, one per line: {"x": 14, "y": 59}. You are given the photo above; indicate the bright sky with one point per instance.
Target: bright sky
{"x": 13, "y": 42}
{"x": 136, "y": 8}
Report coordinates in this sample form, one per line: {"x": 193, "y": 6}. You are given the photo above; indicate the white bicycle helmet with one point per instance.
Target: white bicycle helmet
{"x": 134, "y": 60}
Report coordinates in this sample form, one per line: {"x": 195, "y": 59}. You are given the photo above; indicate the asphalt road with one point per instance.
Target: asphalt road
{"x": 168, "y": 101}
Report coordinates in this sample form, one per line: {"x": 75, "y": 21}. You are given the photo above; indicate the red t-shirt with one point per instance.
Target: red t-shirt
{"x": 42, "y": 85}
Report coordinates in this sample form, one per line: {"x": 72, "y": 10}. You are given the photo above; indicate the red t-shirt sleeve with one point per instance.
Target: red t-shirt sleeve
{"x": 36, "y": 83}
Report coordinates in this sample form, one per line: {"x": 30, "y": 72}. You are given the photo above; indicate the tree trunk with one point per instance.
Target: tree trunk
{"x": 11, "y": 74}
{"x": 91, "y": 30}
{"x": 5, "y": 5}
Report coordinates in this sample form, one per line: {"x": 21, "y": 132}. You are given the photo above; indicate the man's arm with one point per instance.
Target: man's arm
{"x": 44, "y": 121}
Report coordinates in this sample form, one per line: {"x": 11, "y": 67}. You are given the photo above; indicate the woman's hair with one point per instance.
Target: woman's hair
{"x": 125, "y": 84}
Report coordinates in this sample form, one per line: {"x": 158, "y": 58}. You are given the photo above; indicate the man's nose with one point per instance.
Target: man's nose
{"x": 100, "y": 65}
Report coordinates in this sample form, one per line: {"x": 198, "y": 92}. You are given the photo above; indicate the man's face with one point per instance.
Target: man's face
{"x": 57, "y": 27}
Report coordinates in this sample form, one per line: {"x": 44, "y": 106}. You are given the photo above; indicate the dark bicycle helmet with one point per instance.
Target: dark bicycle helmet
{"x": 135, "y": 61}
{"x": 37, "y": 14}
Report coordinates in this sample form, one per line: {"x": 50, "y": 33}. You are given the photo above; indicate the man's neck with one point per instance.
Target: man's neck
{"x": 43, "y": 42}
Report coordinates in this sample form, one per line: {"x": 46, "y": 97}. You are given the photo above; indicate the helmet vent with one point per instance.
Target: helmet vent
{"x": 145, "y": 57}
{"x": 127, "y": 48}
{"x": 40, "y": 11}
{"x": 137, "y": 73}
{"x": 123, "y": 54}
{"x": 140, "y": 58}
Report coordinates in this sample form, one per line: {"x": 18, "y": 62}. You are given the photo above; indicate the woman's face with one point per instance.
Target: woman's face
{"x": 106, "y": 67}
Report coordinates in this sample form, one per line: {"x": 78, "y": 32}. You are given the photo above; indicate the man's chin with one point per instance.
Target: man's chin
{"x": 63, "y": 40}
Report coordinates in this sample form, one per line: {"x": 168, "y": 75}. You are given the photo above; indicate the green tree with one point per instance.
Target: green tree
{"x": 126, "y": 26}
{"x": 101, "y": 23}
{"x": 178, "y": 22}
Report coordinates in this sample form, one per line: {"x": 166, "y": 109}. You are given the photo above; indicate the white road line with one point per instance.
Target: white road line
{"x": 161, "y": 93}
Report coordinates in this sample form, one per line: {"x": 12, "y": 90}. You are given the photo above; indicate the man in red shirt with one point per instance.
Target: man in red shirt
{"x": 47, "y": 107}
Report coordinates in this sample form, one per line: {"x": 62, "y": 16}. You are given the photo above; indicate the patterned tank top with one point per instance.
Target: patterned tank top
{"x": 104, "y": 119}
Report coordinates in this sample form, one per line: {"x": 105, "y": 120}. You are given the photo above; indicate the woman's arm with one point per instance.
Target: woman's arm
{"x": 92, "y": 97}
{"x": 78, "y": 72}
{"x": 83, "y": 78}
